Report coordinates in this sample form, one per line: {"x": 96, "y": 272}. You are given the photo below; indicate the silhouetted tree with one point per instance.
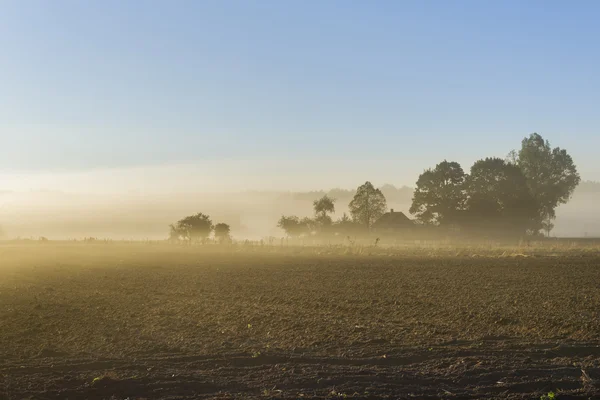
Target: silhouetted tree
{"x": 547, "y": 226}
{"x": 345, "y": 226}
{"x": 343, "y": 194}
{"x": 550, "y": 172}
{"x": 176, "y": 233}
{"x": 439, "y": 196}
{"x": 367, "y": 205}
{"x": 498, "y": 198}
{"x": 323, "y": 207}
{"x": 309, "y": 225}
{"x": 293, "y": 226}
{"x": 222, "y": 232}
{"x": 194, "y": 227}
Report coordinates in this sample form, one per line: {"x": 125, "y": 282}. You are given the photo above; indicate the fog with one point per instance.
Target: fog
{"x": 251, "y": 214}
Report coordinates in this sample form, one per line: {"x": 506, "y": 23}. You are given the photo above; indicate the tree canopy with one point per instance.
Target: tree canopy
{"x": 222, "y": 231}
{"x": 294, "y": 226}
{"x": 194, "y": 227}
{"x": 323, "y": 207}
{"x": 439, "y": 196}
{"x": 550, "y": 172}
{"x": 498, "y": 198}
{"x": 367, "y": 205}
{"x": 517, "y": 194}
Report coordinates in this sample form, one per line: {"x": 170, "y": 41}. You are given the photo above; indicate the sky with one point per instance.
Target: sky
{"x": 226, "y": 95}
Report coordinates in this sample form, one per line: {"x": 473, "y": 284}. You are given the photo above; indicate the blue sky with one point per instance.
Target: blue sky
{"x": 259, "y": 89}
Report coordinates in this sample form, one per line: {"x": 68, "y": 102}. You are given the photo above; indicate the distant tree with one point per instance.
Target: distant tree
{"x": 176, "y": 233}
{"x": 439, "y": 196}
{"x": 588, "y": 187}
{"x": 294, "y": 226}
{"x": 499, "y": 200}
{"x": 222, "y": 232}
{"x": 345, "y": 225}
{"x": 367, "y": 205}
{"x": 323, "y": 207}
{"x": 308, "y": 225}
{"x": 550, "y": 172}
{"x": 320, "y": 222}
{"x": 398, "y": 195}
{"x": 343, "y": 194}
{"x": 193, "y": 228}
{"x": 547, "y": 225}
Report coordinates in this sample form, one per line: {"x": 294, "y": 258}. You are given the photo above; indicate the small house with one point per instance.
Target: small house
{"x": 393, "y": 222}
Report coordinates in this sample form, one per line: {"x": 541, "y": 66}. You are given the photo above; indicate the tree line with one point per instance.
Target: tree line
{"x": 367, "y": 205}
{"x": 514, "y": 196}
{"x": 197, "y": 228}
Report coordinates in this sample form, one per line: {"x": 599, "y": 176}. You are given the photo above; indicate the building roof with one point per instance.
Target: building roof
{"x": 393, "y": 219}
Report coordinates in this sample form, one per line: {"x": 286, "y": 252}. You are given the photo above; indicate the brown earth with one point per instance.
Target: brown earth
{"x": 164, "y": 322}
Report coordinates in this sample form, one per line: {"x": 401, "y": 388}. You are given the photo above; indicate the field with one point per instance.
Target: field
{"x": 115, "y": 321}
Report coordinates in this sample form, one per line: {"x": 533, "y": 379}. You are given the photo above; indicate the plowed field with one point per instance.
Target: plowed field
{"x": 165, "y": 322}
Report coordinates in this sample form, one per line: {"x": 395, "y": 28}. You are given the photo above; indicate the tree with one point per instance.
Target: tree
{"x": 194, "y": 227}
{"x": 367, "y": 205}
{"x": 551, "y": 174}
{"x": 294, "y": 226}
{"x": 308, "y": 225}
{"x": 176, "y": 233}
{"x": 547, "y": 225}
{"x": 345, "y": 225}
{"x": 439, "y": 195}
{"x": 397, "y": 195}
{"x": 222, "y": 232}
{"x": 498, "y": 198}
{"x": 323, "y": 207}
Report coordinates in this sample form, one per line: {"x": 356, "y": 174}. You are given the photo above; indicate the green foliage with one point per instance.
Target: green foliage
{"x": 550, "y": 172}
{"x": 367, "y": 205}
{"x": 549, "y": 396}
{"x": 515, "y": 195}
{"x": 439, "y": 195}
{"x": 498, "y": 198}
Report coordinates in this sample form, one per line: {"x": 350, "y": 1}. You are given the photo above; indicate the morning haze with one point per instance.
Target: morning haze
{"x": 299, "y": 199}
{"x": 247, "y": 98}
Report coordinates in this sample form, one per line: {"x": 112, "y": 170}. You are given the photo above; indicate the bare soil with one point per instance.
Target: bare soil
{"x": 164, "y": 322}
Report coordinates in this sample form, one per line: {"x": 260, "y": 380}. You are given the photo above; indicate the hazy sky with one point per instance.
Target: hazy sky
{"x": 287, "y": 94}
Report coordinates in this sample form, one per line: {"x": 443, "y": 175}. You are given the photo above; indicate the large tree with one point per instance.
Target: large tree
{"x": 551, "y": 174}
{"x": 367, "y": 205}
{"x": 498, "y": 198}
{"x": 439, "y": 196}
